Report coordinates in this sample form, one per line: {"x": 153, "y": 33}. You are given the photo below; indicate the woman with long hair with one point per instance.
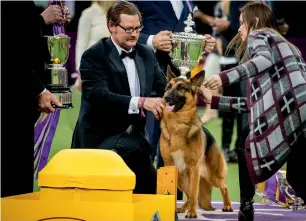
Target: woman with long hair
{"x": 275, "y": 73}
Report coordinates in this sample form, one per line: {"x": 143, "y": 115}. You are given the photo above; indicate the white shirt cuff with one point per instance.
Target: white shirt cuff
{"x": 43, "y": 91}
{"x": 150, "y": 42}
{"x": 133, "y": 107}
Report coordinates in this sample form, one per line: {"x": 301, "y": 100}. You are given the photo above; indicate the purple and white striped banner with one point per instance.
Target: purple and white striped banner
{"x": 43, "y": 134}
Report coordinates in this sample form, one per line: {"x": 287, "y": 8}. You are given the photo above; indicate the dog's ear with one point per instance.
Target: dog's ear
{"x": 170, "y": 74}
{"x": 197, "y": 80}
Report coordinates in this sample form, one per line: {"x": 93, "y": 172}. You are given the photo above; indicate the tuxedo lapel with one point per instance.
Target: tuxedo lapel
{"x": 141, "y": 73}
{"x": 117, "y": 62}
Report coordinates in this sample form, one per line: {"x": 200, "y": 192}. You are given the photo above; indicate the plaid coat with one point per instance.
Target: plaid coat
{"x": 276, "y": 101}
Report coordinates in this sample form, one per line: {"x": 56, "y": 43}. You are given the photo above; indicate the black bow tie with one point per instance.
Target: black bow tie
{"x": 131, "y": 54}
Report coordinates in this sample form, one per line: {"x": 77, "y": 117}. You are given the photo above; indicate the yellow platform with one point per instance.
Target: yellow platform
{"x": 89, "y": 185}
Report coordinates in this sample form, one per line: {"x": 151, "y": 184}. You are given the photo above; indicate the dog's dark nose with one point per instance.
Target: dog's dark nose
{"x": 167, "y": 98}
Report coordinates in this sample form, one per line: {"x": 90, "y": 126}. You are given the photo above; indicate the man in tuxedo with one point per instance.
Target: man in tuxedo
{"x": 118, "y": 75}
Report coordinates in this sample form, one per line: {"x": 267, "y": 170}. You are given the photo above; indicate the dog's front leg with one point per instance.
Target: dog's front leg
{"x": 164, "y": 131}
{"x": 194, "y": 129}
{"x": 183, "y": 183}
{"x": 194, "y": 179}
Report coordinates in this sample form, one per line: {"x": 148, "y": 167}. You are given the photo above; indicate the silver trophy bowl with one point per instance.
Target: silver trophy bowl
{"x": 58, "y": 47}
{"x": 187, "y": 48}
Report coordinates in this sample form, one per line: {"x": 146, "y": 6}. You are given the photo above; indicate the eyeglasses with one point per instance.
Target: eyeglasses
{"x": 131, "y": 30}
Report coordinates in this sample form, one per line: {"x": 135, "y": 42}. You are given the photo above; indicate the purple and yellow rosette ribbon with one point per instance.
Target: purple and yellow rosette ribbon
{"x": 274, "y": 191}
{"x": 59, "y": 28}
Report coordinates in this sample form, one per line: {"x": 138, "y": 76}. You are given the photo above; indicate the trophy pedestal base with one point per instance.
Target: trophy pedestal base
{"x": 56, "y": 88}
{"x": 65, "y": 97}
{"x": 65, "y": 106}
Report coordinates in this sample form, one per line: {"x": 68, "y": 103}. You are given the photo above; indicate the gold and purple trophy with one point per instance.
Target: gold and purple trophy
{"x": 46, "y": 125}
{"x": 58, "y": 46}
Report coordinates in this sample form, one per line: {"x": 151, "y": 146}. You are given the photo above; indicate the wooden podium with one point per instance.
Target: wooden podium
{"x": 167, "y": 178}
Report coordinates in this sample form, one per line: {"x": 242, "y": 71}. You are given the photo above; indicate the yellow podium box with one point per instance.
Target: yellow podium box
{"x": 91, "y": 185}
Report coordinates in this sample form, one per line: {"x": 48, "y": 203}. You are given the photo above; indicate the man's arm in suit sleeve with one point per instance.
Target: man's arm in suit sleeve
{"x": 38, "y": 85}
{"x": 159, "y": 79}
{"x": 95, "y": 83}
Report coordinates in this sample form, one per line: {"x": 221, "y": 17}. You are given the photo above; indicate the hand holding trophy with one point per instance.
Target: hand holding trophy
{"x": 58, "y": 47}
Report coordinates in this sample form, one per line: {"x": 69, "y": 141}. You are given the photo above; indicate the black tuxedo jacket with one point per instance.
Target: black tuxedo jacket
{"x": 106, "y": 94}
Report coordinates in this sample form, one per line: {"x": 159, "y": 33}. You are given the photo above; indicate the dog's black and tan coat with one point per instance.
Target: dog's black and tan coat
{"x": 183, "y": 143}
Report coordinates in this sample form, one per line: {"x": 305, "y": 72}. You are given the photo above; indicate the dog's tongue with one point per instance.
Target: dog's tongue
{"x": 170, "y": 107}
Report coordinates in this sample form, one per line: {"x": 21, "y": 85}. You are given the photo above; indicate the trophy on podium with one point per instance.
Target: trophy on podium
{"x": 187, "y": 48}
{"x": 58, "y": 47}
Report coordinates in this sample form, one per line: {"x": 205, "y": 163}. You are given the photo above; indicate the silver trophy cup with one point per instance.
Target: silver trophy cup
{"x": 58, "y": 47}
{"x": 187, "y": 48}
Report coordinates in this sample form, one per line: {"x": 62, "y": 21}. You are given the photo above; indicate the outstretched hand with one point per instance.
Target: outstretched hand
{"x": 213, "y": 82}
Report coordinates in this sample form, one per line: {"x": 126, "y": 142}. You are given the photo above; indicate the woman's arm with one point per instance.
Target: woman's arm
{"x": 229, "y": 104}
{"x": 260, "y": 59}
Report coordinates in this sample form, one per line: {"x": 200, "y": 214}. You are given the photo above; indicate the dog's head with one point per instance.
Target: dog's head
{"x": 181, "y": 92}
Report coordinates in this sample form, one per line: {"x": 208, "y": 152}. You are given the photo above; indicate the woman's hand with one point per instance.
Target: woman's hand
{"x": 213, "y": 82}
{"x": 205, "y": 94}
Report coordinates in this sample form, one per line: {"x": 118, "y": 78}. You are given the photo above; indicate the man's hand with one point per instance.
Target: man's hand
{"x": 162, "y": 41}
{"x": 210, "y": 43}
{"x": 52, "y": 14}
{"x": 213, "y": 82}
{"x": 45, "y": 100}
{"x": 220, "y": 24}
{"x": 155, "y": 105}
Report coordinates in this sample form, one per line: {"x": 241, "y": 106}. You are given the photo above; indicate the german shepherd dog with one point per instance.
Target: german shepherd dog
{"x": 184, "y": 143}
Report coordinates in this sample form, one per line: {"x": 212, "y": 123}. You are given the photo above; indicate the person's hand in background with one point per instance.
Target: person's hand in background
{"x": 52, "y": 14}
{"x": 220, "y": 24}
{"x": 45, "y": 100}
{"x": 210, "y": 43}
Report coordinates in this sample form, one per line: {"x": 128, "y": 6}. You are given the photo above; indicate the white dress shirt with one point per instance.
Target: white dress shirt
{"x": 133, "y": 79}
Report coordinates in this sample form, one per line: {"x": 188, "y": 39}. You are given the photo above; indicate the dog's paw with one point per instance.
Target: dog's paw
{"x": 227, "y": 209}
{"x": 191, "y": 215}
{"x": 181, "y": 210}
